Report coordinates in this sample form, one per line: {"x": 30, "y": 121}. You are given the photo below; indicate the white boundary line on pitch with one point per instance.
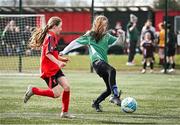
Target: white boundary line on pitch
{"x": 19, "y": 74}
{"x": 33, "y": 114}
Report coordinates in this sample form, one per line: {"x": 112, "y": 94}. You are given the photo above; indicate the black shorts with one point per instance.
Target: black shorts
{"x": 171, "y": 51}
{"x": 101, "y": 67}
{"x": 148, "y": 56}
{"x": 52, "y": 81}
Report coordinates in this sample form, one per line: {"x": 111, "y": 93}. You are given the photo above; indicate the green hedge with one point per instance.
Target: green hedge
{"x": 78, "y": 62}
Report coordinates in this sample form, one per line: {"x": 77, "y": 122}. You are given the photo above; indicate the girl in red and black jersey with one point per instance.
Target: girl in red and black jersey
{"x": 51, "y": 64}
{"x": 147, "y": 47}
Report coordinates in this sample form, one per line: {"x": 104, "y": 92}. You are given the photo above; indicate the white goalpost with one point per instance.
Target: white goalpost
{"x": 15, "y": 31}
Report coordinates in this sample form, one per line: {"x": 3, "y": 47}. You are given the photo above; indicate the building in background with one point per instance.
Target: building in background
{"x": 76, "y": 14}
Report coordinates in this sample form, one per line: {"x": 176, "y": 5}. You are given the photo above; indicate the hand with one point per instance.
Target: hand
{"x": 61, "y": 53}
{"x": 61, "y": 64}
{"x": 64, "y": 59}
{"x": 134, "y": 24}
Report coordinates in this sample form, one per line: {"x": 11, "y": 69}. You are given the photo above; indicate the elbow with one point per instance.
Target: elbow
{"x": 48, "y": 54}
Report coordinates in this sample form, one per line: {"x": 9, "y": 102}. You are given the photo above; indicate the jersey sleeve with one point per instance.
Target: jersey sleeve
{"x": 83, "y": 40}
{"x": 128, "y": 26}
{"x": 51, "y": 45}
{"x": 73, "y": 45}
{"x": 111, "y": 40}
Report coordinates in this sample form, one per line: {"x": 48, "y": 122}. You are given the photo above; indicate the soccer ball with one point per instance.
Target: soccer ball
{"x": 129, "y": 105}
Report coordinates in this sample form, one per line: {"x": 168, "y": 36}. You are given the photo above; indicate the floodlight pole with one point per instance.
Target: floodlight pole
{"x": 92, "y": 18}
{"x": 20, "y": 52}
{"x": 92, "y": 12}
{"x": 20, "y": 6}
{"x": 165, "y": 48}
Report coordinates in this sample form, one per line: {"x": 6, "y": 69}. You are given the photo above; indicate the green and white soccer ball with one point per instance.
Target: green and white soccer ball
{"x": 129, "y": 105}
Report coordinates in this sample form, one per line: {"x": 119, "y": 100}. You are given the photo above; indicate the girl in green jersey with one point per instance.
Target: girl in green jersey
{"x": 98, "y": 42}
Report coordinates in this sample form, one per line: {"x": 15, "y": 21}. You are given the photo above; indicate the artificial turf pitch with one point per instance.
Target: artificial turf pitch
{"x": 158, "y": 97}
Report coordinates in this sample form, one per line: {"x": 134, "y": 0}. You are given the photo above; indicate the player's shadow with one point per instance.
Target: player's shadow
{"x": 105, "y": 121}
{"x": 136, "y": 123}
{"x": 144, "y": 115}
{"x": 140, "y": 116}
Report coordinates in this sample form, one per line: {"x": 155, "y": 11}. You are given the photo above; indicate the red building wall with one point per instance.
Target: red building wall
{"x": 160, "y": 14}
{"x": 72, "y": 22}
{"x": 81, "y": 21}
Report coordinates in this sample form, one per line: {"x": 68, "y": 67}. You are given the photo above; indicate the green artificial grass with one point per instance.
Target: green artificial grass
{"x": 78, "y": 62}
{"x": 157, "y": 96}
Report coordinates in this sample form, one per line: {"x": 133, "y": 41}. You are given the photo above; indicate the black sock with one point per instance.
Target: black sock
{"x": 151, "y": 65}
{"x": 161, "y": 61}
{"x": 173, "y": 65}
{"x": 102, "y": 96}
{"x": 168, "y": 65}
{"x": 144, "y": 65}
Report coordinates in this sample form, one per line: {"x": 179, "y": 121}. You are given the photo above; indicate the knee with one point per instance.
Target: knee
{"x": 113, "y": 70}
{"x": 57, "y": 94}
{"x": 66, "y": 88}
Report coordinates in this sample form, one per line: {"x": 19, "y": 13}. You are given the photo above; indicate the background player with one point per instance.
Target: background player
{"x": 147, "y": 46}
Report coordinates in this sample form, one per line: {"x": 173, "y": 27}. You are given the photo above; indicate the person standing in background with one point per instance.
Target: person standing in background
{"x": 147, "y": 47}
{"x": 161, "y": 44}
{"x": 119, "y": 32}
{"x": 133, "y": 37}
{"x": 171, "y": 50}
{"x": 7, "y": 35}
{"x": 148, "y": 27}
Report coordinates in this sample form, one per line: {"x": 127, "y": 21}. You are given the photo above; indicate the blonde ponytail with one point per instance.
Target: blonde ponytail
{"x": 99, "y": 28}
{"x": 39, "y": 34}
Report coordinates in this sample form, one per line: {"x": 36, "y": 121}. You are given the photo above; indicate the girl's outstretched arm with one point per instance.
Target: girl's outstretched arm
{"x": 119, "y": 40}
{"x": 73, "y": 45}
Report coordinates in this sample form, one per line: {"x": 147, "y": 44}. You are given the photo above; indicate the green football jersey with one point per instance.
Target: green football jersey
{"x": 97, "y": 50}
